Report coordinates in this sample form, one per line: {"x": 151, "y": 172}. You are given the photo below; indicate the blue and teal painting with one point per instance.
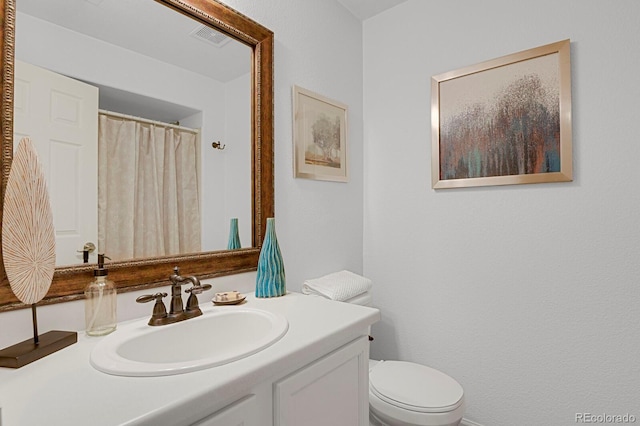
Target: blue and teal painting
{"x": 514, "y": 131}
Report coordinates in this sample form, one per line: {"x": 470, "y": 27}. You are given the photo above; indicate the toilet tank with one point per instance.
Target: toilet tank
{"x": 363, "y": 299}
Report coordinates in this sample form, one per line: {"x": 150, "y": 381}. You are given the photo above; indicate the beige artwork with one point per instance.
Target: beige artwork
{"x": 28, "y": 237}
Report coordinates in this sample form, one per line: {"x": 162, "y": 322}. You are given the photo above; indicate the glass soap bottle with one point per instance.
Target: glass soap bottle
{"x": 100, "y": 302}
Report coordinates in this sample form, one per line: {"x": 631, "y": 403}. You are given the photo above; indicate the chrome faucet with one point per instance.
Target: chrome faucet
{"x": 177, "y": 312}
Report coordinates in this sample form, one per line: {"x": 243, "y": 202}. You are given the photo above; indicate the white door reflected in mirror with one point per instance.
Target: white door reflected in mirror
{"x": 60, "y": 115}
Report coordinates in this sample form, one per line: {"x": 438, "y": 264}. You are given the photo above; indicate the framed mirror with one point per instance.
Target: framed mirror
{"x": 252, "y": 151}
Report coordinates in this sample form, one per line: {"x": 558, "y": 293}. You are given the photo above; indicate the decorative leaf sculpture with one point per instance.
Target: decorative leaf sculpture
{"x": 28, "y": 236}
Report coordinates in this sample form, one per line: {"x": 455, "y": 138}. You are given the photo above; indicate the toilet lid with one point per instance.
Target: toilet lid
{"x": 415, "y": 387}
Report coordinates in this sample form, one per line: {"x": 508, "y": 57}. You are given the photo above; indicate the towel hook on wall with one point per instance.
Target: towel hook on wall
{"x": 218, "y": 145}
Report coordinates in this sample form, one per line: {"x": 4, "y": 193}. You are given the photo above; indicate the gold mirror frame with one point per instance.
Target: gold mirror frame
{"x": 69, "y": 282}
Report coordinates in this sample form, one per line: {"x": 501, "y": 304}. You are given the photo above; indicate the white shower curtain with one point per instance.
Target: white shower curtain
{"x": 148, "y": 194}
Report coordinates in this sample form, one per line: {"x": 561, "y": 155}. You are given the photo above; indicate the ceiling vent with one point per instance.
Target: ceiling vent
{"x": 210, "y": 36}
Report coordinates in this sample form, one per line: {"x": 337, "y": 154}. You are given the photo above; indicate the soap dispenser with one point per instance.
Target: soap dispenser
{"x": 100, "y": 302}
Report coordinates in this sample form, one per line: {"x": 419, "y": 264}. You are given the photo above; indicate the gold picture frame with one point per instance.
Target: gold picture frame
{"x": 320, "y": 149}
{"x": 505, "y": 121}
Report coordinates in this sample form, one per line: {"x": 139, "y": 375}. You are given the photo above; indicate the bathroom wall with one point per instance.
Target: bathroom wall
{"x": 318, "y": 46}
{"x": 528, "y": 295}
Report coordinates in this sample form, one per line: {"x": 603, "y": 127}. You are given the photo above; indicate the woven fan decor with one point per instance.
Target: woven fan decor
{"x": 28, "y": 237}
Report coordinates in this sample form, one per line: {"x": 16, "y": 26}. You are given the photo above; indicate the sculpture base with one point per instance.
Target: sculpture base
{"x": 26, "y": 352}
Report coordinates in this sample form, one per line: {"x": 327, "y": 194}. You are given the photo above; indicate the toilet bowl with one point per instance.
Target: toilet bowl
{"x": 409, "y": 394}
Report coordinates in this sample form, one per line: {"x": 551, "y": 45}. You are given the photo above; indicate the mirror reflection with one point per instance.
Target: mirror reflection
{"x": 123, "y": 100}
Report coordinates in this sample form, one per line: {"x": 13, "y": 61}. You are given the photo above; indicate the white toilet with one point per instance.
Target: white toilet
{"x": 408, "y": 394}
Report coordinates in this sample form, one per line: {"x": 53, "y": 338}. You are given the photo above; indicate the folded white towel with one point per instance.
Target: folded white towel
{"x": 338, "y": 286}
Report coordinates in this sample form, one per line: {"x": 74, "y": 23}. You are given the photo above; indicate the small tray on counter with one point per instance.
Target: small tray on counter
{"x": 228, "y": 298}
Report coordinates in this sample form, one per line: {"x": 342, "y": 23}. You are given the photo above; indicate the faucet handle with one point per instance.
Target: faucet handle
{"x": 192, "y": 309}
{"x": 159, "y": 310}
{"x": 197, "y": 289}
{"x": 150, "y": 297}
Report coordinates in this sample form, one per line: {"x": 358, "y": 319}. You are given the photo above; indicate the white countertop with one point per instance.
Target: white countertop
{"x": 64, "y": 389}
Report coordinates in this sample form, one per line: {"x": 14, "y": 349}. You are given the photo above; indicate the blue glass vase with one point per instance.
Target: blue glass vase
{"x": 270, "y": 280}
{"x": 234, "y": 237}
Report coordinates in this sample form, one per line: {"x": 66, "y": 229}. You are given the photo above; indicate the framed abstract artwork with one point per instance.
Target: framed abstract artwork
{"x": 504, "y": 121}
{"x": 320, "y": 148}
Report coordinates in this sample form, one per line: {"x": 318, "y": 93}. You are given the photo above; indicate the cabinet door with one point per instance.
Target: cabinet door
{"x": 241, "y": 413}
{"x": 331, "y": 391}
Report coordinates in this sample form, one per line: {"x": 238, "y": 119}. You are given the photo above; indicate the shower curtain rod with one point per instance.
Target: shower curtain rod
{"x": 145, "y": 120}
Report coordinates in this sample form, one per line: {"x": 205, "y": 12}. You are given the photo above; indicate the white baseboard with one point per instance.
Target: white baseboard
{"x": 466, "y": 422}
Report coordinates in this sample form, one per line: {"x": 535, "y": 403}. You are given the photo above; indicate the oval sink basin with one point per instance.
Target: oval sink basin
{"x": 215, "y": 338}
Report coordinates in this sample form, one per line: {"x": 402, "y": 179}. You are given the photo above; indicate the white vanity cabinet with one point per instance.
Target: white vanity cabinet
{"x": 315, "y": 375}
{"x": 244, "y": 412}
{"x": 333, "y": 390}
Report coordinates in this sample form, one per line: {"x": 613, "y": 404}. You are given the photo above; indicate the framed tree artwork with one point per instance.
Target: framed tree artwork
{"x": 320, "y": 148}
{"x": 504, "y": 121}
